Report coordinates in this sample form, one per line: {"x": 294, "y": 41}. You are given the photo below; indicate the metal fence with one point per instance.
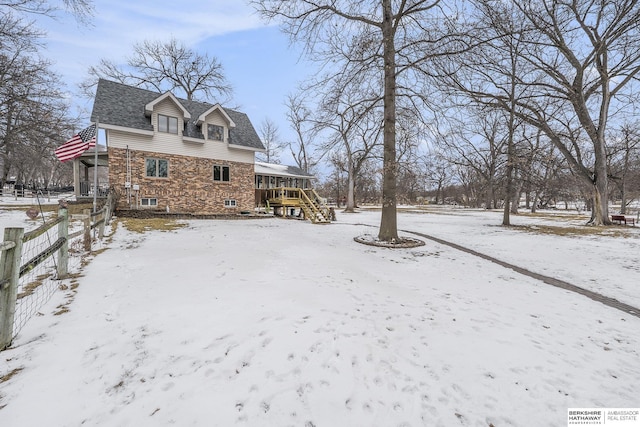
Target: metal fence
{"x": 33, "y": 263}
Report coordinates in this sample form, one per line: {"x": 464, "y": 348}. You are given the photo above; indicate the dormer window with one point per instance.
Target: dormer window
{"x": 167, "y": 124}
{"x": 215, "y": 132}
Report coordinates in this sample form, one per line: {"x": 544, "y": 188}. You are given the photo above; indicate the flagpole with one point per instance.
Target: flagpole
{"x": 95, "y": 170}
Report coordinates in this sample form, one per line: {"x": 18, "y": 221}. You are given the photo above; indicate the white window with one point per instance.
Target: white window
{"x": 167, "y": 124}
{"x": 215, "y": 132}
{"x": 149, "y": 202}
{"x": 230, "y": 203}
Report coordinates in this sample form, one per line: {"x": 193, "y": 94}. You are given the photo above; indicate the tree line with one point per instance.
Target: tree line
{"x": 474, "y": 102}
{"x": 33, "y": 114}
{"x": 470, "y": 170}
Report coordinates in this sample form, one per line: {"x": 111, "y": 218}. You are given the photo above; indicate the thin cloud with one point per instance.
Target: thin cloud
{"x": 118, "y": 25}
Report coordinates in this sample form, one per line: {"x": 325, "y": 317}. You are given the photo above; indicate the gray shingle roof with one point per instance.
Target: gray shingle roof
{"x": 122, "y": 105}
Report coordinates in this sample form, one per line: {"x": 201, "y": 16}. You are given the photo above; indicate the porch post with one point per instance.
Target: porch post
{"x": 86, "y": 181}
{"x": 76, "y": 177}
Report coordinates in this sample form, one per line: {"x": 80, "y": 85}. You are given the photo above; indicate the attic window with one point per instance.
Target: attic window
{"x": 167, "y": 124}
{"x": 215, "y": 132}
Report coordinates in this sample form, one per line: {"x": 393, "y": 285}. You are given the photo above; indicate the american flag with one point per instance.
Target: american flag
{"x": 77, "y": 145}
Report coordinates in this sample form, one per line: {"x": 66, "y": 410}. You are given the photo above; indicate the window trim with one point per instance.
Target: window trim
{"x": 167, "y": 129}
{"x": 157, "y": 168}
{"x": 209, "y": 134}
{"x": 148, "y": 205}
{"x": 222, "y": 174}
{"x": 230, "y": 203}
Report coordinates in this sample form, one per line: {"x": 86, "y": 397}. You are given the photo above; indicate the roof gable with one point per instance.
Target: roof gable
{"x": 202, "y": 117}
{"x": 148, "y": 108}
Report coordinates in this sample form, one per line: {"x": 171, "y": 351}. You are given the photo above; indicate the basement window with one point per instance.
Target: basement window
{"x": 149, "y": 202}
{"x": 230, "y": 203}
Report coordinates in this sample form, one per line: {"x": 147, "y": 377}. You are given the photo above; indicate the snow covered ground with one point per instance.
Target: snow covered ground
{"x": 277, "y": 322}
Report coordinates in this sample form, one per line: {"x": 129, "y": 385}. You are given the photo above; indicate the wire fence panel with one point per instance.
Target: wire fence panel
{"x": 33, "y": 264}
{"x": 38, "y": 278}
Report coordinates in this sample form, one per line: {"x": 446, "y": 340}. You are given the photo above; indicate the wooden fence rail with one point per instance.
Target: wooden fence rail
{"x": 13, "y": 267}
{"x": 9, "y": 273}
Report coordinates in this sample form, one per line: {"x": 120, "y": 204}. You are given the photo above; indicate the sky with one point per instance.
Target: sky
{"x": 316, "y": 330}
{"x": 259, "y": 61}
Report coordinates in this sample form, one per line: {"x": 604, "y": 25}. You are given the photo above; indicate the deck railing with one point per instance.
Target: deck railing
{"x": 304, "y": 198}
{"x": 87, "y": 189}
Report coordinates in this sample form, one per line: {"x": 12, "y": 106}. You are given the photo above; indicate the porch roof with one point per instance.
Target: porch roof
{"x": 88, "y": 158}
{"x": 271, "y": 169}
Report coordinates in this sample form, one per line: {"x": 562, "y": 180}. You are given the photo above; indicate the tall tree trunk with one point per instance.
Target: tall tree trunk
{"x": 600, "y": 214}
{"x": 491, "y": 202}
{"x": 506, "y": 220}
{"x": 623, "y": 197}
{"x": 535, "y": 201}
{"x": 515, "y": 197}
{"x": 601, "y": 180}
{"x": 351, "y": 183}
{"x": 511, "y": 126}
{"x": 389, "y": 222}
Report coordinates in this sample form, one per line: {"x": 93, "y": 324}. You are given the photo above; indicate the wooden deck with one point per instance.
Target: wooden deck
{"x": 305, "y": 200}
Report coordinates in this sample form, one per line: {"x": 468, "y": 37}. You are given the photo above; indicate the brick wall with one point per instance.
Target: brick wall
{"x": 188, "y": 189}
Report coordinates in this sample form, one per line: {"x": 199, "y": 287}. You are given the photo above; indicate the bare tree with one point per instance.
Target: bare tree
{"x": 478, "y": 144}
{"x": 411, "y": 135}
{"x": 580, "y": 65}
{"x": 270, "y": 135}
{"x": 437, "y": 173}
{"x": 82, "y": 10}
{"x": 166, "y": 66}
{"x": 335, "y": 183}
{"x": 302, "y": 123}
{"x": 625, "y": 163}
{"x": 33, "y": 113}
{"x": 34, "y": 120}
{"x": 383, "y": 39}
{"x": 352, "y": 127}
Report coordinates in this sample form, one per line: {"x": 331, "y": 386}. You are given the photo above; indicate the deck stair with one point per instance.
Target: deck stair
{"x": 305, "y": 199}
{"x": 313, "y": 208}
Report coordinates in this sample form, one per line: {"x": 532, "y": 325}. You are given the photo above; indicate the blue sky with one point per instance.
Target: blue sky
{"x": 258, "y": 60}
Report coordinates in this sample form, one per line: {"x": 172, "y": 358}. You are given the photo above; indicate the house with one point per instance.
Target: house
{"x": 169, "y": 154}
{"x": 173, "y": 154}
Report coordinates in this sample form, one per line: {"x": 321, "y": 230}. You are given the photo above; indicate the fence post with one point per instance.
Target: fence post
{"x": 87, "y": 229}
{"x": 63, "y": 252}
{"x": 103, "y": 220}
{"x": 9, "y": 276}
{"x": 107, "y": 211}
